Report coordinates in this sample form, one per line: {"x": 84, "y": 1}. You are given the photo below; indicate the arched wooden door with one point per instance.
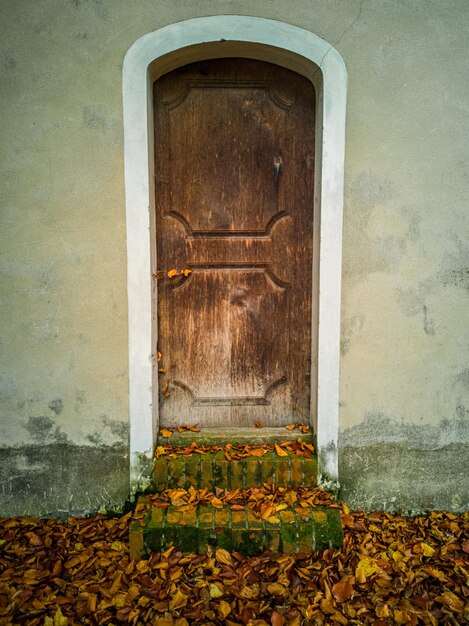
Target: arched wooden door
{"x": 234, "y": 173}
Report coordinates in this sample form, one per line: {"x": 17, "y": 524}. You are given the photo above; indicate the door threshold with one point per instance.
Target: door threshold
{"x": 237, "y": 435}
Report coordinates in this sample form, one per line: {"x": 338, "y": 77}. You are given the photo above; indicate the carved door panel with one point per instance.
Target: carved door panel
{"x": 234, "y": 171}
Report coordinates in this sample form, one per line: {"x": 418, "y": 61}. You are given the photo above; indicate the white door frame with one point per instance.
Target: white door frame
{"x": 214, "y": 37}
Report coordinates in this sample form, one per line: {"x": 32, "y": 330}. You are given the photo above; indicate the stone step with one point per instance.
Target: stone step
{"x": 194, "y": 529}
{"x": 244, "y": 435}
{"x": 213, "y": 470}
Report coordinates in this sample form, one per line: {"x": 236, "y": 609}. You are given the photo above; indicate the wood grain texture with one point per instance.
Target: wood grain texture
{"x": 234, "y": 172}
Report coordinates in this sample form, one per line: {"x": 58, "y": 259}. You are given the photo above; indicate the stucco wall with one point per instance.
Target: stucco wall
{"x": 405, "y": 358}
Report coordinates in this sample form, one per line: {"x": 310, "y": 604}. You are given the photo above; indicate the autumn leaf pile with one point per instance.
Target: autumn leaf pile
{"x": 265, "y": 501}
{"x": 391, "y": 570}
{"x": 234, "y": 452}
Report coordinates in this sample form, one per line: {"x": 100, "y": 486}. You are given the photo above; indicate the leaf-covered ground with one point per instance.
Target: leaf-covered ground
{"x": 391, "y": 570}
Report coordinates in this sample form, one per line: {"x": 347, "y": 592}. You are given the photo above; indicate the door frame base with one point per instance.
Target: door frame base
{"x": 277, "y": 42}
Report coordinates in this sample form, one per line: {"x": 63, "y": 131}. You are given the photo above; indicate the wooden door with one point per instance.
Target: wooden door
{"x": 234, "y": 171}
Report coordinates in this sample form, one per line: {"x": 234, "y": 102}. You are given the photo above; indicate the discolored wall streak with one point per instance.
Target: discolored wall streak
{"x": 59, "y": 479}
{"x": 64, "y": 388}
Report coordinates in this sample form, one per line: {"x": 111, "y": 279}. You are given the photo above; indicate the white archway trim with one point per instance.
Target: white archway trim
{"x": 152, "y": 51}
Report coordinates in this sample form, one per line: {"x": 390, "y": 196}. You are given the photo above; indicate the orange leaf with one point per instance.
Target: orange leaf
{"x": 277, "y": 619}
{"x": 291, "y": 427}
{"x": 172, "y": 273}
{"x": 165, "y": 432}
{"x": 342, "y": 590}
{"x": 257, "y": 452}
{"x": 280, "y": 451}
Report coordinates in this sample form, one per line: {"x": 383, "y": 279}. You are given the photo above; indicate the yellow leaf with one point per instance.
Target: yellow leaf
{"x": 186, "y": 272}
{"x": 281, "y": 507}
{"x": 57, "y": 620}
{"x": 427, "y": 550}
{"x": 401, "y": 617}
{"x": 276, "y": 589}
{"x": 216, "y": 590}
{"x": 291, "y": 497}
{"x": 217, "y": 503}
{"x": 165, "y": 432}
{"x": 172, "y": 273}
{"x": 280, "y": 451}
{"x": 366, "y": 566}
{"x": 223, "y": 556}
{"x": 160, "y": 451}
{"x": 224, "y": 609}
{"x": 178, "y": 600}
{"x": 382, "y": 611}
{"x": 273, "y": 520}
{"x": 267, "y": 509}
{"x": 291, "y": 427}
{"x": 118, "y": 546}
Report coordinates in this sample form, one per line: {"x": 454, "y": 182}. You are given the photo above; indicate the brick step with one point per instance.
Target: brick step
{"x": 194, "y": 529}
{"x": 214, "y": 470}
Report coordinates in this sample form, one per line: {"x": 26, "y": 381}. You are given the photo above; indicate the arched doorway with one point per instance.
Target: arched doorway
{"x": 299, "y": 50}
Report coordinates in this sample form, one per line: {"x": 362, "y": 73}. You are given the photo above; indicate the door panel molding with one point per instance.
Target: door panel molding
{"x": 292, "y": 47}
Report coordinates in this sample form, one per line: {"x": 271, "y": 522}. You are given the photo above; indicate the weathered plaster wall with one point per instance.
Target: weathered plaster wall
{"x": 405, "y": 357}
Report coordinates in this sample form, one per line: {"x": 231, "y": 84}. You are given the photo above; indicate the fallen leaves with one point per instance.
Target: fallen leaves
{"x": 391, "y": 570}
{"x": 297, "y": 447}
{"x": 304, "y": 428}
{"x": 280, "y": 451}
{"x": 265, "y": 501}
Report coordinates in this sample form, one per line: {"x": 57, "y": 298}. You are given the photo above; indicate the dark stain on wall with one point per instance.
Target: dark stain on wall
{"x": 56, "y": 406}
{"x": 60, "y": 479}
{"x": 39, "y": 427}
{"x": 42, "y": 431}
{"x": 120, "y": 430}
{"x": 428, "y": 323}
{"x": 94, "y": 116}
{"x": 463, "y": 378}
{"x": 350, "y": 327}
{"x": 413, "y": 467}
{"x": 404, "y": 478}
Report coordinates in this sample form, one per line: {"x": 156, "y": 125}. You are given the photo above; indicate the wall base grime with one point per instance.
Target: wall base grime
{"x": 394, "y": 476}
{"x": 58, "y": 480}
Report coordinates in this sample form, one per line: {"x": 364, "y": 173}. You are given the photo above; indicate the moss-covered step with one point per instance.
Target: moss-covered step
{"x": 290, "y": 531}
{"x": 246, "y": 435}
{"x": 212, "y": 470}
